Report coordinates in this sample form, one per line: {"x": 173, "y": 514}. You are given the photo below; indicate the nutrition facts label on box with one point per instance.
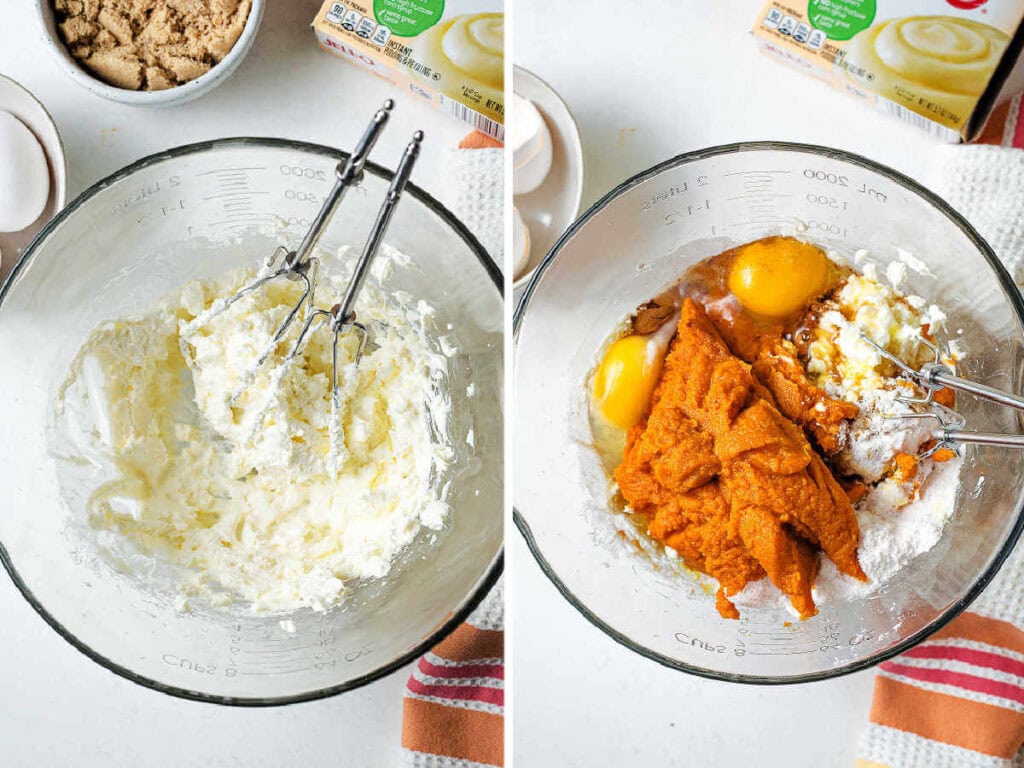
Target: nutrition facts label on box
{"x": 936, "y": 66}
{"x": 447, "y": 52}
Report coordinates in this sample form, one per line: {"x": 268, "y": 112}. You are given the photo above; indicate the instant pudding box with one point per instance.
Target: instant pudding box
{"x": 942, "y": 65}
{"x": 448, "y": 52}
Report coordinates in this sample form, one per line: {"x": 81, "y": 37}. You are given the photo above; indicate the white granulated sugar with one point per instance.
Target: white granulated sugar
{"x": 878, "y": 434}
{"x": 899, "y": 521}
{"x": 891, "y": 536}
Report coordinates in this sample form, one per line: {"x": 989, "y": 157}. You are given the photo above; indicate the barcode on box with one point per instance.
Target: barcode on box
{"x": 947, "y": 135}
{"x": 484, "y": 124}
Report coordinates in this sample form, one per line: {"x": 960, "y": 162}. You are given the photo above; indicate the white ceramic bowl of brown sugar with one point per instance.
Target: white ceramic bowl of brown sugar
{"x": 134, "y": 53}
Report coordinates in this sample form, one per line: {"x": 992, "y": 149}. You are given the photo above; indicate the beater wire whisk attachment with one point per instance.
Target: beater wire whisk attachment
{"x": 949, "y": 432}
{"x": 935, "y": 375}
{"x": 299, "y": 264}
{"x": 341, "y": 318}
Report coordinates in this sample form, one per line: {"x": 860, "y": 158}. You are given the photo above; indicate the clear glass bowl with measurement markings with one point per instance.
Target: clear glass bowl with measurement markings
{"x": 634, "y": 243}
{"x": 131, "y": 239}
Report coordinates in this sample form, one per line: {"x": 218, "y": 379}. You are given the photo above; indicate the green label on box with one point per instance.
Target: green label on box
{"x": 408, "y": 18}
{"x": 841, "y": 19}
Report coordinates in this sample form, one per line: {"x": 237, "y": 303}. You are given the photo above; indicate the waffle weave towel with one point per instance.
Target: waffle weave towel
{"x": 455, "y": 698}
{"x": 474, "y": 190}
{"x": 957, "y": 699}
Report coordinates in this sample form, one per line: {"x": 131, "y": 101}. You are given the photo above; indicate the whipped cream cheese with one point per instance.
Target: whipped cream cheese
{"x": 899, "y": 518}
{"x": 838, "y": 355}
{"x": 245, "y": 498}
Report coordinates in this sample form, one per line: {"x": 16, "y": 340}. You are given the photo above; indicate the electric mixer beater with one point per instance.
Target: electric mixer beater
{"x": 300, "y": 265}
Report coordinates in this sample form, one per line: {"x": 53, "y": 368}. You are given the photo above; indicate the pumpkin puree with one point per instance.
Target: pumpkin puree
{"x": 725, "y": 475}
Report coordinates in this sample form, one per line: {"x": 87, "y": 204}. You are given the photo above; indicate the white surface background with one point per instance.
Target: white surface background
{"x": 646, "y": 83}
{"x": 58, "y": 708}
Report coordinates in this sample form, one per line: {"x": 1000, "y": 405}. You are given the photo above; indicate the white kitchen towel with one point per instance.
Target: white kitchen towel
{"x": 986, "y": 184}
{"x": 957, "y": 699}
{"x": 474, "y": 190}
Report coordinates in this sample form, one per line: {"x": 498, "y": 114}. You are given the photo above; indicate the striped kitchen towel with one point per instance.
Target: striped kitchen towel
{"x": 957, "y": 699}
{"x": 454, "y": 714}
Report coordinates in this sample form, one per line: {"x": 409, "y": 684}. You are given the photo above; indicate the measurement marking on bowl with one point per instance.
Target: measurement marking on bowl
{"x": 274, "y": 671}
{"x": 172, "y": 660}
{"x": 230, "y": 170}
{"x": 237, "y": 221}
{"x": 141, "y": 196}
{"x": 782, "y": 652}
{"x": 751, "y": 173}
{"x": 282, "y": 653}
{"x": 235, "y": 195}
{"x": 715, "y": 229}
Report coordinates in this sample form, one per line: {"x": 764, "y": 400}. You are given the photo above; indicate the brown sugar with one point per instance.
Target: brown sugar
{"x": 150, "y": 45}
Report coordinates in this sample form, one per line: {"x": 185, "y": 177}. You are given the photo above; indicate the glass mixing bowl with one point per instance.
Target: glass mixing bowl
{"x": 131, "y": 239}
{"x": 635, "y": 243}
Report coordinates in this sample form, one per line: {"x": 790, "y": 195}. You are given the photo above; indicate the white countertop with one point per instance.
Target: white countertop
{"x": 646, "y": 84}
{"x": 56, "y": 706}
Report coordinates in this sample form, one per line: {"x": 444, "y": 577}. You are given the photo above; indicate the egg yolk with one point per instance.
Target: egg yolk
{"x": 778, "y": 276}
{"x": 625, "y": 380}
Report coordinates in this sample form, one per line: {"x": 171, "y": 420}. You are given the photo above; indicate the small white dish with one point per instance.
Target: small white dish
{"x": 24, "y": 106}
{"x": 177, "y": 95}
{"x": 554, "y": 205}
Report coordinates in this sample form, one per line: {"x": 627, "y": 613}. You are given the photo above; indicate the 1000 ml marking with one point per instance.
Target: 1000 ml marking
{"x": 827, "y": 227}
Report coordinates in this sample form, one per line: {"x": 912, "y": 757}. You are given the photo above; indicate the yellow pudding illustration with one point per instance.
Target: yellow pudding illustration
{"x": 468, "y": 52}
{"x": 937, "y": 66}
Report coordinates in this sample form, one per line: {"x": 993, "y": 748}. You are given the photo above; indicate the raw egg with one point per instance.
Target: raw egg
{"x": 778, "y": 276}
{"x": 627, "y": 375}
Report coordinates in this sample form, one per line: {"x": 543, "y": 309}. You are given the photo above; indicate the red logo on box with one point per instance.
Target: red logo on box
{"x": 350, "y": 52}
{"x": 967, "y": 5}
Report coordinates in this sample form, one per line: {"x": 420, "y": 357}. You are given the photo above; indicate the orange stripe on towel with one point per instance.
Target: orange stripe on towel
{"x": 947, "y": 719}
{"x": 972, "y": 626}
{"x": 479, "y": 140}
{"x": 467, "y": 642}
{"x": 995, "y": 126}
{"x": 460, "y": 733}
